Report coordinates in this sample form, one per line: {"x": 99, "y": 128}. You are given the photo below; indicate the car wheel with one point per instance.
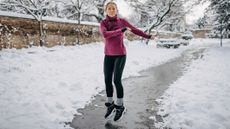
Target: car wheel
{"x": 176, "y": 46}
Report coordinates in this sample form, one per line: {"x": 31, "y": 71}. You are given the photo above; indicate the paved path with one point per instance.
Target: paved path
{"x": 140, "y": 95}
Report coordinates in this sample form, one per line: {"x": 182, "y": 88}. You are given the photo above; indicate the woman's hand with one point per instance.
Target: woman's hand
{"x": 153, "y": 37}
{"x": 129, "y": 29}
{"x": 125, "y": 29}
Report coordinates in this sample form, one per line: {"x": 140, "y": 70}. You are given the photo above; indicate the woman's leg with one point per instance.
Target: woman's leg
{"x": 118, "y": 70}
{"x": 108, "y": 73}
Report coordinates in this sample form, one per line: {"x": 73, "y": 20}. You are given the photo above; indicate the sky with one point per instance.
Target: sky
{"x": 196, "y": 13}
{"x": 124, "y": 9}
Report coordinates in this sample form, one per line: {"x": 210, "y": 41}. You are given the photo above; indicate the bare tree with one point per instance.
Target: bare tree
{"x": 167, "y": 14}
{"x": 75, "y": 9}
{"x": 163, "y": 14}
{"x": 36, "y": 8}
{"x": 159, "y": 12}
{"x": 99, "y": 4}
{"x": 201, "y": 22}
{"x": 10, "y": 8}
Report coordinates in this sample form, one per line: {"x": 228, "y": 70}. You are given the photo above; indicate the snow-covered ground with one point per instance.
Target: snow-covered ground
{"x": 200, "y": 99}
{"x": 43, "y": 87}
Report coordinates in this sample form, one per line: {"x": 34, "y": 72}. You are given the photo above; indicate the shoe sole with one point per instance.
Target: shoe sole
{"x": 125, "y": 110}
{"x": 111, "y": 114}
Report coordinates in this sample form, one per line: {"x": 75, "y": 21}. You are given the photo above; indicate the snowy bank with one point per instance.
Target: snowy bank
{"x": 200, "y": 99}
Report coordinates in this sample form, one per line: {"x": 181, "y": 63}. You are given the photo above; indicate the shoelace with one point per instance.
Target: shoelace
{"x": 118, "y": 112}
{"x": 110, "y": 107}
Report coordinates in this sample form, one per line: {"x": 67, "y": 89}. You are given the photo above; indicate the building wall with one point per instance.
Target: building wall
{"x": 201, "y": 33}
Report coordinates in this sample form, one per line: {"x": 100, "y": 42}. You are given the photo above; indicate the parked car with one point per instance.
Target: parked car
{"x": 184, "y": 42}
{"x": 187, "y": 35}
{"x": 168, "y": 43}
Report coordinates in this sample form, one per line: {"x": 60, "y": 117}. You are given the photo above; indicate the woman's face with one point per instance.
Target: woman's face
{"x": 111, "y": 10}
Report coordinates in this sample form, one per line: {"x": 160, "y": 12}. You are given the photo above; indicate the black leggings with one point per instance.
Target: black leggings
{"x": 113, "y": 67}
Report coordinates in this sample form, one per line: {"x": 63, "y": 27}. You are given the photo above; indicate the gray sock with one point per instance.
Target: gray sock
{"x": 119, "y": 101}
{"x": 110, "y": 99}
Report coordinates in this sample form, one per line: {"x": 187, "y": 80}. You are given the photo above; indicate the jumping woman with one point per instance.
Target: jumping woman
{"x": 112, "y": 29}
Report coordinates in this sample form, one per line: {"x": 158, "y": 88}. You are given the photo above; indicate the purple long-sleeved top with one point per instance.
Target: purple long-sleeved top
{"x": 111, "y": 28}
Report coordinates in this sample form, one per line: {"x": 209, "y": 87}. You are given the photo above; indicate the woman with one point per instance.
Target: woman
{"x": 112, "y": 29}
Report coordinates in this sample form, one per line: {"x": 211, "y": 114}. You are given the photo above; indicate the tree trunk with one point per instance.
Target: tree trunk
{"x": 41, "y": 35}
{"x": 79, "y": 17}
{"x": 78, "y": 35}
{"x": 160, "y": 19}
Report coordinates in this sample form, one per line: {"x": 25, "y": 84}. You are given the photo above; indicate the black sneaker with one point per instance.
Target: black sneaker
{"x": 110, "y": 109}
{"x": 120, "y": 110}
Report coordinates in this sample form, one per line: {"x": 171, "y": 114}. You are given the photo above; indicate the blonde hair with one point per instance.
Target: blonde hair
{"x": 111, "y": 2}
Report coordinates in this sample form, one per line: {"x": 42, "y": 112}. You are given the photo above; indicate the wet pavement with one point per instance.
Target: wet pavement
{"x": 140, "y": 94}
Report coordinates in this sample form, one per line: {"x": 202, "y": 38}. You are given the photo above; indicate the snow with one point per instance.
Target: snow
{"x": 54, "y": 19}
{"x": 168, "y": 41}
{"x": 43, "y": 87}
{"x": 200, "y": 99}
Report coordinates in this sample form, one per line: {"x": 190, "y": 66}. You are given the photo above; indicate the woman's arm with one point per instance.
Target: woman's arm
{"x": 109, "y": 34}
{"x": 136, "y": 31}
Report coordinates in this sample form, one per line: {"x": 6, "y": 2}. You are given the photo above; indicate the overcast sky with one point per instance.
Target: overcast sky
{"x": 124, "y": 9}
{"x": 196, "y": 13}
